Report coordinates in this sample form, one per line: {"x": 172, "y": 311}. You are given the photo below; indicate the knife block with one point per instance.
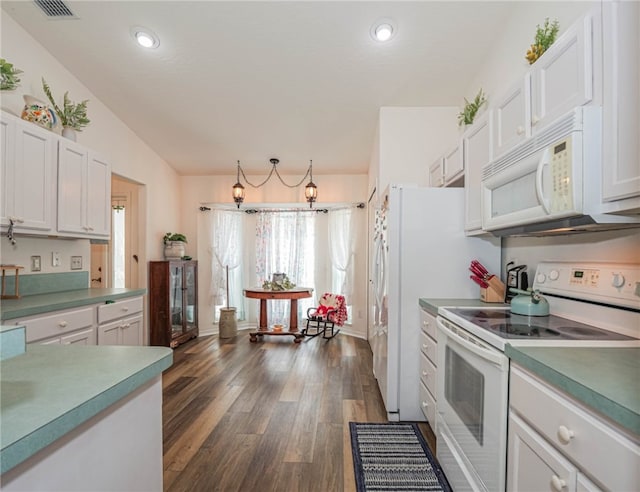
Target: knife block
{"x": 495, "y": 292}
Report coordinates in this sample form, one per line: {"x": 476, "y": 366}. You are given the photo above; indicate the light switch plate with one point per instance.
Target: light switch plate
{"x": 76, "y": 263}
{"x": 36, "y": 263}
{"x": 55, "y": 259}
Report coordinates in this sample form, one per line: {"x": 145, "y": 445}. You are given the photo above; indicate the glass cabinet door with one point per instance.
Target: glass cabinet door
{"x": 175, "y": 299}
{"x": 190, "y": 287}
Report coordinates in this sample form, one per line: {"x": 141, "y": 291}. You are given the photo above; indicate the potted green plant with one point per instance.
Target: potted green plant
{"x": 174, "y": 245}
{"x": 9, "y": 79}
{"x": 468, "y": 113}
{"x": 544, "y": 38}
{"x": 73, "y": 116}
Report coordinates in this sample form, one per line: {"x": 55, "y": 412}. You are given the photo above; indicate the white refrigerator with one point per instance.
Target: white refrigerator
{"x": 419, "y": 250}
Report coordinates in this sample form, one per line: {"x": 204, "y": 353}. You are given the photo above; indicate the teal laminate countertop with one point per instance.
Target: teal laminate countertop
{"x": 43, "y": 303}
{"x": 605, "y": 379}
{"x": 432, "y": 305}
{"x": 51, "y": 389}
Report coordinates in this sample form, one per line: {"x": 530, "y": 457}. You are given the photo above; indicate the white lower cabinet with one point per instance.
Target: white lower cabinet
{"x": 535, "y": 465}
{"x": 428, "y": 351}
{"x": 121, "y": 322}
{"x": 61, "y": 327}
{"x": 127, "y": 331}
{"x": 117, "y": 323}
{"x": 558, "y": 445}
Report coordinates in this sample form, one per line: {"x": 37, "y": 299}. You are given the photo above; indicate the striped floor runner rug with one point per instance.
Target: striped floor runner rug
{"x": 393, "y": 456}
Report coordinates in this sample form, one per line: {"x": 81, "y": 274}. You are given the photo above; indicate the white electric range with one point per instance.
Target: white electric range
{"x": 591, "y": 304}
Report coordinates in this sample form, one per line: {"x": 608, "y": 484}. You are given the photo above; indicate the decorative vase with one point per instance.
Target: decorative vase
{"x": 38, "y": 112}
{"x": 70, "y": 133}
{"x": 174, "y": 249}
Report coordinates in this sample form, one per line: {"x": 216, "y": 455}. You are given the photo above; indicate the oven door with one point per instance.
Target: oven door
{"x": 472, "y": 409}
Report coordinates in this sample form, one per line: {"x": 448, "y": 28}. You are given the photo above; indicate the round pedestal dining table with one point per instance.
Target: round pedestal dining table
{"x": 264, "y": 295}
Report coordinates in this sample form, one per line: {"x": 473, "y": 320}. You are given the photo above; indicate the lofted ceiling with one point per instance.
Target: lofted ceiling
{"x": 247, "y": 81}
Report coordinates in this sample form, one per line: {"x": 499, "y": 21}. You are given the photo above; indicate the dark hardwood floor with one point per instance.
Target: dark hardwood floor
{"x": 267, "y": 416}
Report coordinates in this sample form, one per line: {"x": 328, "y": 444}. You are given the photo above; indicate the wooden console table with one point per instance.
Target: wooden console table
{"x": 293, "y": 295}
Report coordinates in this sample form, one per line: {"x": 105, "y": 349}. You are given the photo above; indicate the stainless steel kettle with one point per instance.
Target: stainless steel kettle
{"x": 529, "y": 303}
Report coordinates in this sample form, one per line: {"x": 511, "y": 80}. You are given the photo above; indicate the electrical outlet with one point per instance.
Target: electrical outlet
{"x": 36, "y": 263}
{"x": 55, "y": 259}
{"x": 76, "y": 263}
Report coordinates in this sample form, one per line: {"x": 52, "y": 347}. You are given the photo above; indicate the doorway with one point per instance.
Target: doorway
{"x": 116, "y": 263}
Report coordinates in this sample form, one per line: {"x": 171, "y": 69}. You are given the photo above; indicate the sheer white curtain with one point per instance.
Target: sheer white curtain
{"x": 285, "y": 243}
{"x": 226, "y": 250}
{"x": 342, "y": 249}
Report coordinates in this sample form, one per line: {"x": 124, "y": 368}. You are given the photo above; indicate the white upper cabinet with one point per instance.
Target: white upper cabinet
{"x": 621, "y": 106}
{"x": 84, "y": 184}
{"x": 28, "y": 176}
{"x": 99, "y": 202}
{"x": 436, "y": 173}
{"x": 511, "y": 116}
{"x": 476, "y": 143}
{"x": 453, "y": 165}
{"x": 562, "y": 78}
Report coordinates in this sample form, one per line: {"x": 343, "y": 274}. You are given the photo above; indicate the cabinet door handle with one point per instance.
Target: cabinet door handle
{"x": 425, "y": 404}
{"x": 557, "y": 483}
{"x": 125, "y": 309}
{"x": 425, "y": 323}
{"x": 534, "y": 120}
{"x": 425, "y": 374}
{"x": 89, "y": 228}
{"x": 126, "y": 325}
{"x": 425, "y": 346}
{"x": 565, "y": 435}
{"x": 62, "y": 324}
{"x": 520, "y": 130}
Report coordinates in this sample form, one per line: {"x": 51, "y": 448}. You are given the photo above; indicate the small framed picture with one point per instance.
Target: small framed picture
{"x": 76, "y": 263}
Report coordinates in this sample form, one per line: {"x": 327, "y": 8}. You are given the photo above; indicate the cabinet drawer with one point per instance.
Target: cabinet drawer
{"x": 123, "y": 307}
{"x": 533, "y": 463}
{"x": 428, "y": 323}
{"x": 428, "y": 405}
{"x": 428, "y": 373}
{"x": 428, "y": 346}
{"x": 598, "y": 449}
{"x": 57, "y": 323}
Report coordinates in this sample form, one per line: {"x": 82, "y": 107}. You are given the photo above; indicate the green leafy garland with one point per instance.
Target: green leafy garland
{"x": 468, "y": 114}
{"x": 71, "y": 115}
{"x": 9, "y": 76}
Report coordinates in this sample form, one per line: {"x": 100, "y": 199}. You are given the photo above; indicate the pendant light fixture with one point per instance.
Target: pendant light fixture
{"x": 310, "y": 190}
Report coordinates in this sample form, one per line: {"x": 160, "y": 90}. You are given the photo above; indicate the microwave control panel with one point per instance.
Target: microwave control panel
{"x": 561, "y": 177}
{"x": 612, "y": 283}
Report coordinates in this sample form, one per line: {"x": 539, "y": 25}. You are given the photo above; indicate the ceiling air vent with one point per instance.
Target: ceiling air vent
{"x": 55, "y": 9}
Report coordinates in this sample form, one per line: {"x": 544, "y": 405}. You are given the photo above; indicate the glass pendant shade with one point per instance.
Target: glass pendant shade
{"x": 311, "y": 193}
{"x": 238, "y": 193}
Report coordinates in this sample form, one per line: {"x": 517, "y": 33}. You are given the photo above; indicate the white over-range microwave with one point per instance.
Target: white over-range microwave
{"x": 551, "y": 182}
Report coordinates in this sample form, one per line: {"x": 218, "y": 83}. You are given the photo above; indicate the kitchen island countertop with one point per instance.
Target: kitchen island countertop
{"x": 55, "y": 301}
{"x": 606, "y": 379}
{"x": 50, "y": 390}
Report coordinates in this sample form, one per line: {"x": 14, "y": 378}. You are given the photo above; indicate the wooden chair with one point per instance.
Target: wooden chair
{"x": 322, "y": 320}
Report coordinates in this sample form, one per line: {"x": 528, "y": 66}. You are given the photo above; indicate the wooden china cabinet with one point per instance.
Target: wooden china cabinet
{"x": 173, "y": 301}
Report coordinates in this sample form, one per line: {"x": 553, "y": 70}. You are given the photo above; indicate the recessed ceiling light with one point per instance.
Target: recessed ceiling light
{"x": 383, "y": 30}
{"x": 145, "y": 37}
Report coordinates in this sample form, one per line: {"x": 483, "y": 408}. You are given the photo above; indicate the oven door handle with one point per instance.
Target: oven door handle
{"x": 493, "y": 356}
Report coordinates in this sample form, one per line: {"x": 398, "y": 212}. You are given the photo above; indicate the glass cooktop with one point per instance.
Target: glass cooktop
{"x": 504, "y": 324}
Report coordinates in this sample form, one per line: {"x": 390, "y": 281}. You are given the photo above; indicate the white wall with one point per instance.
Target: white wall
{"x": 410, "y": 139}
{"x": 130, "y": 157}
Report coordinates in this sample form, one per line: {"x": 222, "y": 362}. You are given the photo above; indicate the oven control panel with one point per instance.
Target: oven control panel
{"x": 612, "y": 283}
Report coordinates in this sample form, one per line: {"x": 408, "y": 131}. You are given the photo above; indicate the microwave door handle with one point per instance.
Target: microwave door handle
{"x": 492, "y": 356}
{"x": 545, "y": 160}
